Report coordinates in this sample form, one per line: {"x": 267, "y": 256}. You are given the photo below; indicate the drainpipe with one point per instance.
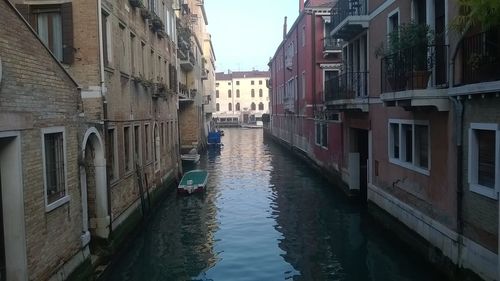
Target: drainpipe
{"x": 104, "y": 107}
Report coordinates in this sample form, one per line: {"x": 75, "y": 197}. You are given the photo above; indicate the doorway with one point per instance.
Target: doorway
{"x": 12, "y": 231}
{"x": 358, "y": 162}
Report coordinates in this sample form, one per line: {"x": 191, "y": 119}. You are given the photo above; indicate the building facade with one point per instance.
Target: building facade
{"x": 123, "y": 55}
{"x": 192, "y": 31}
{"x": 241, "y": 97}
{"x": 40, "y": 199}
{"x": 304, "y": 62}
{"x": 417, "y": 107}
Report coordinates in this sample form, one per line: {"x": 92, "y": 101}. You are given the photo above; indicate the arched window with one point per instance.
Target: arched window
{"x": 156, "y": 147}
{"x": 230, "y": 106}
{"x": 237, "y": 93}
{"x": 228, "y": 93}
{"x": 261, "y": 106}
{"x": 260, "y": 93}
{"x": 253, "y": 93}
{"x": 217, "y": 107}
{"x": 238, "y": 106}
{"x": 252, "y": 106}
{"x": 217, "y": 93}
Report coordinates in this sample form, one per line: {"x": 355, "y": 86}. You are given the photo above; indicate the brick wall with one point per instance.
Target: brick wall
{"x": 35, "y": 85}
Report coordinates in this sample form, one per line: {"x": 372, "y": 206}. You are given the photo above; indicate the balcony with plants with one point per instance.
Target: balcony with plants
{"x": 414, "y": 69}
{"x": 476, "y": 63}
{"x": 349, "y": 18}
{"x": 347, "y": 91}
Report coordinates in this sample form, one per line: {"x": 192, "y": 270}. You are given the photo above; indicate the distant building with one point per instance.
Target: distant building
{"x": 241, "y": 97}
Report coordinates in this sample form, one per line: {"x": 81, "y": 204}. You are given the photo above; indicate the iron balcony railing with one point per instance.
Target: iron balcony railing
{"x": 480, "y": 58}
{"x": 349, "y": 85}
{"x": 331, "y": 44}
{"x": 347, "y": 8}
{"x": 415, "y": 68}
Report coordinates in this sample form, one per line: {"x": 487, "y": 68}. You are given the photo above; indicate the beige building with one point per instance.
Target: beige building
{"x": 241, "y": 97}
{"x": 192, "y": 31}
{"x": 123, "y": 55}
{"x": 208, "y": 77}
{"x": 40, "y": 200}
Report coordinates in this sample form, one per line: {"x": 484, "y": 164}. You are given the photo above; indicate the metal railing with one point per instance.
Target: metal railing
{"x": 331, "y": 44}
{"x": 346, "y": 8}
{"x": 415, "y": 68}
{"x": 348, "y": 85}
{"x": 480, "y": 58}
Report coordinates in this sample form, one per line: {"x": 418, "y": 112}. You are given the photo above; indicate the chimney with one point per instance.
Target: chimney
{"x": 301, "y": 5}
{"x": 284, "y": 29}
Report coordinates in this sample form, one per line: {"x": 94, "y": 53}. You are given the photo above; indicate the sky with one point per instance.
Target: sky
{"x": 246, "y": 33}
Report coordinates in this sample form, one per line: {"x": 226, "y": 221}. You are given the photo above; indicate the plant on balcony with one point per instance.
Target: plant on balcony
{"x": 156, "y": 22}
{"x": 145, "y": 13}
{"x": 407, "y": 55}
{"x": 484, "y": 13}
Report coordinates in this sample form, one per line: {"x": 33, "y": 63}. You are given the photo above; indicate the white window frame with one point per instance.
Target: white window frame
{"x": 66, "y": 198}
{"x": 156, "y": 147}
{"x": 148, "y": 132}
{"x": 139, "y": 145}
{"x": 321, "y": 124}
{"x": 397, "y": 161}
{"x": 473, "y": 160}
{"x": 389, "y": 16}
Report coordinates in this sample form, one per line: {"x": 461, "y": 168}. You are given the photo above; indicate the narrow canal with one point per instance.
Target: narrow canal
{"x": 265, "y": 216}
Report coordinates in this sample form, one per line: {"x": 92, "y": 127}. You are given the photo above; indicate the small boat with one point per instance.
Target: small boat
{"x": 214, "y": 138}
{"x": 193, "y": 181}
{"x": 191, "y": 157}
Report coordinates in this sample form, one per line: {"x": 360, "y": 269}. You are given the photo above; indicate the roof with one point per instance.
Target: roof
{"x": 242, "y": 74}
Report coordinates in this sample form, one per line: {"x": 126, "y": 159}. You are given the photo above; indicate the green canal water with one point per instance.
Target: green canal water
{"x": 265, "y": 216}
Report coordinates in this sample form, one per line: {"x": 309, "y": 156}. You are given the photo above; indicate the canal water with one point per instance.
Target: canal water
{"x": 265, "y": 216}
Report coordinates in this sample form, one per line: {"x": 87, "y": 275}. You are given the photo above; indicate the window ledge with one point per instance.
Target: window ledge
{"x": 409, "y": 166}
{"x": 484, "y": 190}
{"x": 58, "y": 203}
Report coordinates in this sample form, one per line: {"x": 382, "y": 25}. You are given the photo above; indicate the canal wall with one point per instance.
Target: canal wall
{"x": 452, "y": 254}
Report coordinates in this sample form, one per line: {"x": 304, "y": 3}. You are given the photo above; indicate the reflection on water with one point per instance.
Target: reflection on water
{"x": 265, "y": 216}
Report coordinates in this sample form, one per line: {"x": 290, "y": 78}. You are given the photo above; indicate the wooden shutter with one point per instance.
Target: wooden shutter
{"x": 67, "y": 33}
{"x": 24, "y": 10}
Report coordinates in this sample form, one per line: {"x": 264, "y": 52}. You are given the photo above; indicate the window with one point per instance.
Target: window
{"x": 237, "y": 82}
{"x": 229, "y": 83}
{"x": 228, "y": 93}
{"x": 217, "y": 84}
{"x": 238, "y": 106}
{"x": 113, "y": 171}
{"x": 253, "y": 93}
{"x": 252, "y": 106}
{"x": 217, "y": 93}
{"x": 252, "y": 82}
{"x": 237, "y": 93}
{"x": 303, "y": 36}
{"x": 106, "y": 39}
{"x": 123, "y": 49}
{"x": 127, "y": 148}
{"x": 261, "y": 106}
{"x": 230, "y": 106}
{"x": 54, "y": 25}
{"x": 409, "y": 144}
{"x": 146, "y": 140}
{"x": 393, "y": 21}
{"x": 137, "y": 144}
{"x": 321, "y": 129}
{"x": 260, "y": 93}
{"x": 484, "y": 159}
{"x": 133, "y": 50}
{"x": 156, "y": 144}
{"x": 217, "y": 107}
{"x": 54, "y": 159}
{"x": 260, "y": 82}
{"x": 303, "y": 84}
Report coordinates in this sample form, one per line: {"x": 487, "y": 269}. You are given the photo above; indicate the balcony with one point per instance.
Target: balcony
{"x": 416, "y": 77}
{"x": 347, "y": 91}
{"x": 185, "y": 94}
{"x": 187, "y": 62}
{"x": 349, "y": 18}
{"x": 331, "y": 45}
{"x": 476, "y": 64}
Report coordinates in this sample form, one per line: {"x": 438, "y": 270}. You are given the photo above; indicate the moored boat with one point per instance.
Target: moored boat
{"x": 193, "y": 181}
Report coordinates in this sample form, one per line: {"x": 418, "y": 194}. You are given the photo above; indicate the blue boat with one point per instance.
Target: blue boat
{"x": 193, "y": 181}
{"x": 214, "y": 138}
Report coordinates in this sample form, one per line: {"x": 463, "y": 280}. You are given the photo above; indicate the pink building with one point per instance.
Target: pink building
{"x": 306, "y": 58}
